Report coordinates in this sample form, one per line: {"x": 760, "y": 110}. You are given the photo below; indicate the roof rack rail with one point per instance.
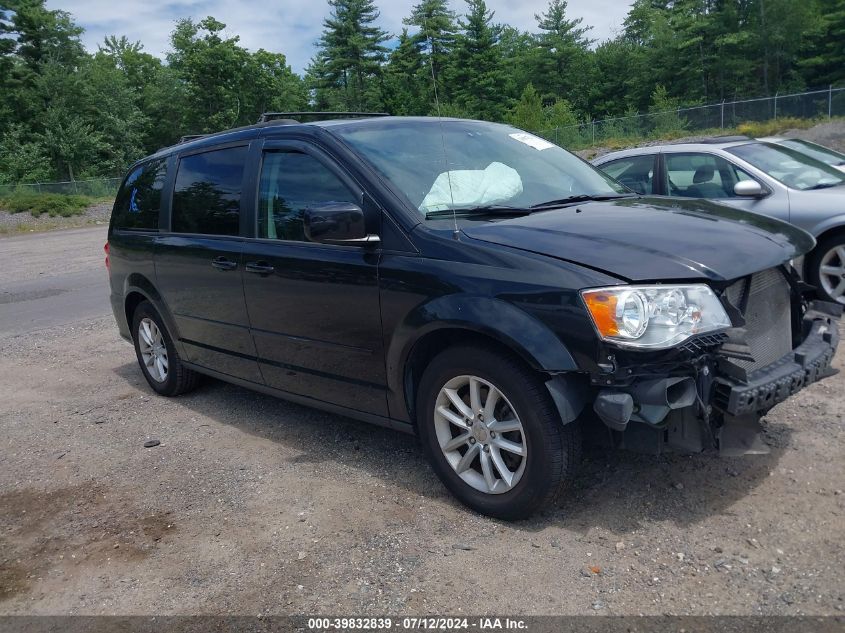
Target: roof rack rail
{"x": 191, "y": 137}
{"x": 296, "y": 117}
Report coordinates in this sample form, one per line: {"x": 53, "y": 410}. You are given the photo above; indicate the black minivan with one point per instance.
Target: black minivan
{"x": 468, "y": 282}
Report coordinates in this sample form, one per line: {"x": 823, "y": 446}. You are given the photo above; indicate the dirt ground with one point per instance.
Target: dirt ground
{"x": 251, "y": 505}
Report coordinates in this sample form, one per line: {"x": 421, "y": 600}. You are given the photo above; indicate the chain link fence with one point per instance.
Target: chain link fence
{"x": 96, "y": 187}
{"x": 727, "y": 115}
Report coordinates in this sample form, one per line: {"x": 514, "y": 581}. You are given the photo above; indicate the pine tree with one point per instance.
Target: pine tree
{"x": 351, "y": 54}
{"x": 407, "y": 80}
{"x": 561, "y": 64}
{"x": 477, "y": 73}
{"x": 527, "y": 113}
{"x": 435, "y": 38}
{"x": 824, "y": 61}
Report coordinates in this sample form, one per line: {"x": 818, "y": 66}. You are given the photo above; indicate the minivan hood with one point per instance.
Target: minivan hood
{"x": 653, "y": 239}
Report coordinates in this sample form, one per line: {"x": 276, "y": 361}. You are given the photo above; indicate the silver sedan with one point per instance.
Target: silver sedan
{"x": 756, "y": 176}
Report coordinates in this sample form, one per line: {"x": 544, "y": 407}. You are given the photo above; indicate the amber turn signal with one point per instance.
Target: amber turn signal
{"x": 602, "y": 307}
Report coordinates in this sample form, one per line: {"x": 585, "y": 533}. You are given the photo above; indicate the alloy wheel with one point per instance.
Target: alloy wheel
{"x": 480, "y": 434}
{"x": 153, "y": 349}
{"x": 832, "y": 273}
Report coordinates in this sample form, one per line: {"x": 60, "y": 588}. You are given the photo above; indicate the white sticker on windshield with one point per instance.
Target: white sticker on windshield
{"x": 532, "y": 141}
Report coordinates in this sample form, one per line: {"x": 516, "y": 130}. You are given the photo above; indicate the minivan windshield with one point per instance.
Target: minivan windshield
{"x": 791, "y": 167}
{"x": 459, "y": 166}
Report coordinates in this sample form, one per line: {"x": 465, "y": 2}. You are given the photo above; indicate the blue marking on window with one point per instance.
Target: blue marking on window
{"x": 133, "y": 204}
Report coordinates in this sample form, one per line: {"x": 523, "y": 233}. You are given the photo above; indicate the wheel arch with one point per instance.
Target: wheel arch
{"x": 136, "y": 289}
{"x": 482, "y": 320}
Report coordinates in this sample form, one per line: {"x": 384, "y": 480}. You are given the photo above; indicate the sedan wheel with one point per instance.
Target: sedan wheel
{"x": 480, "y": 434}
{"x": 832, "y": 273}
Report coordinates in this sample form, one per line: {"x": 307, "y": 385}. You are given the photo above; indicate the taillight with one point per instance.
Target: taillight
{"x": 106, "y": 251}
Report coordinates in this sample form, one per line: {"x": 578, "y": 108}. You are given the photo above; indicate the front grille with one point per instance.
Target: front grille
{"x": 766, "y": 304}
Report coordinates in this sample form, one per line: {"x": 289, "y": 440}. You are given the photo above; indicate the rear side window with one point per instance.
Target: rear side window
{"x": 139, "y": 199}
{"x": 635, "y": 172}
{"x": 207, "y": 195}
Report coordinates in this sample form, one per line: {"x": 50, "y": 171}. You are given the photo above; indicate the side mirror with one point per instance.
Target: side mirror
{"x": 337, "y": 223}
{"x": 749, "y": 189}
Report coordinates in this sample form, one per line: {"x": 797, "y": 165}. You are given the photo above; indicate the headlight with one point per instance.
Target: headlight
{"x": 654, "y": 317}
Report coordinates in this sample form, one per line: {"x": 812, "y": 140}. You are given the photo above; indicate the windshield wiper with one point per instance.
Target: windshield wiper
{"x": 560, "y": 202}
{"x": 489, "y": 209}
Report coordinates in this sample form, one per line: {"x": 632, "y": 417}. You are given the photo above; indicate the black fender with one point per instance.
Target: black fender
{"x": 515, "y": 329}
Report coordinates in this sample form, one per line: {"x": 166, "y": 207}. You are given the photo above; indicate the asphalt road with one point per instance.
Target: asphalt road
{"x": 52, "y": 279}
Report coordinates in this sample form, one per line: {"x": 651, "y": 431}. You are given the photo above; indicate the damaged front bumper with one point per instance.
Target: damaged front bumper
{"x": 705, "y": 400}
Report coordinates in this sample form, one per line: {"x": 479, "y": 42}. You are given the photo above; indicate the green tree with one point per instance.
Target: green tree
{"x": 561, "y": 65}
{"x": 823, "y": 54}
{"x": 666, "y": 119}
{"x": 23, "y": 158}
{"x": 159, "y": 91}
{"x": 349, "y": 62}
{"x": 527, "y": 113}
{"x": 41, "y": 35}
{"x": 407, "y": 79}
{"x": 212, "y": 70}
{"x": 517, "y": 48}
{"x": 477, "y": 73}
{"x": 435, "y": 39}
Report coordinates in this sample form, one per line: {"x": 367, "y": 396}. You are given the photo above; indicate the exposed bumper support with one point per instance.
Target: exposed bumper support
{"x": 806, "y": 364}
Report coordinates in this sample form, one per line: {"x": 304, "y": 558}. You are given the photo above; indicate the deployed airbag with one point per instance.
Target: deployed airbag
{"x": 472, "y": 188}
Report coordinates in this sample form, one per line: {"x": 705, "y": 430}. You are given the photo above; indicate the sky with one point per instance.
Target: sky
{"x": 292, "y": 27}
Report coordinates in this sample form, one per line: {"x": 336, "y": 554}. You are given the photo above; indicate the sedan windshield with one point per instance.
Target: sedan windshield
{"x": 818, "y": 152}
{"x": 474, "y": 167}
{"x": 791, "y": 167}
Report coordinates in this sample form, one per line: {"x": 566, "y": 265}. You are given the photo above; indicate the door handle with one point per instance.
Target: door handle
{"x": 221, "y": 263}
{"x": 259, "y": 268}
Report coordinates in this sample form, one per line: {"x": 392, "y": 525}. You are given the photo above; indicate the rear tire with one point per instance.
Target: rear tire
{"x": 826, "y": 268}
{"x": 530, "y": 455}
{"x": 160, "y": 362}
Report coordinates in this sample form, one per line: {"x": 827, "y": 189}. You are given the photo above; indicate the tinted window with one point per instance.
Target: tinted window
{"x": 290, "y": 183}
{"x": 207, "y": 195}
{"x": 702, "y": 176}
{"x": 636, "y": 172}
{"x": 139, "y": 199}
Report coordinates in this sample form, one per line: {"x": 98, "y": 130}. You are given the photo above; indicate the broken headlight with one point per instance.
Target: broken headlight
{"x": 654, "y": 317}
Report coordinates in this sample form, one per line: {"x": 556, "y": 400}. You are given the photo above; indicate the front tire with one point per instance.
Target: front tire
{"x": 826, "y": 268}
{"x": 492, "y": 433}
{"x": 160, "y": 362}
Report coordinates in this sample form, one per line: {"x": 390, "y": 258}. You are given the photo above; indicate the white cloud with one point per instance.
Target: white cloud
{"x": 292, "y": 26}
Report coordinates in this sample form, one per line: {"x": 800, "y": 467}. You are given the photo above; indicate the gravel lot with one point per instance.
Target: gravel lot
{"x": 251, "y": 505}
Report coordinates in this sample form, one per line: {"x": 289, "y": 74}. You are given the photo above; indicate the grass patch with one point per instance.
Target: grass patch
{"x": 773, "y": 127}
{"x": 53, "y": 204}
